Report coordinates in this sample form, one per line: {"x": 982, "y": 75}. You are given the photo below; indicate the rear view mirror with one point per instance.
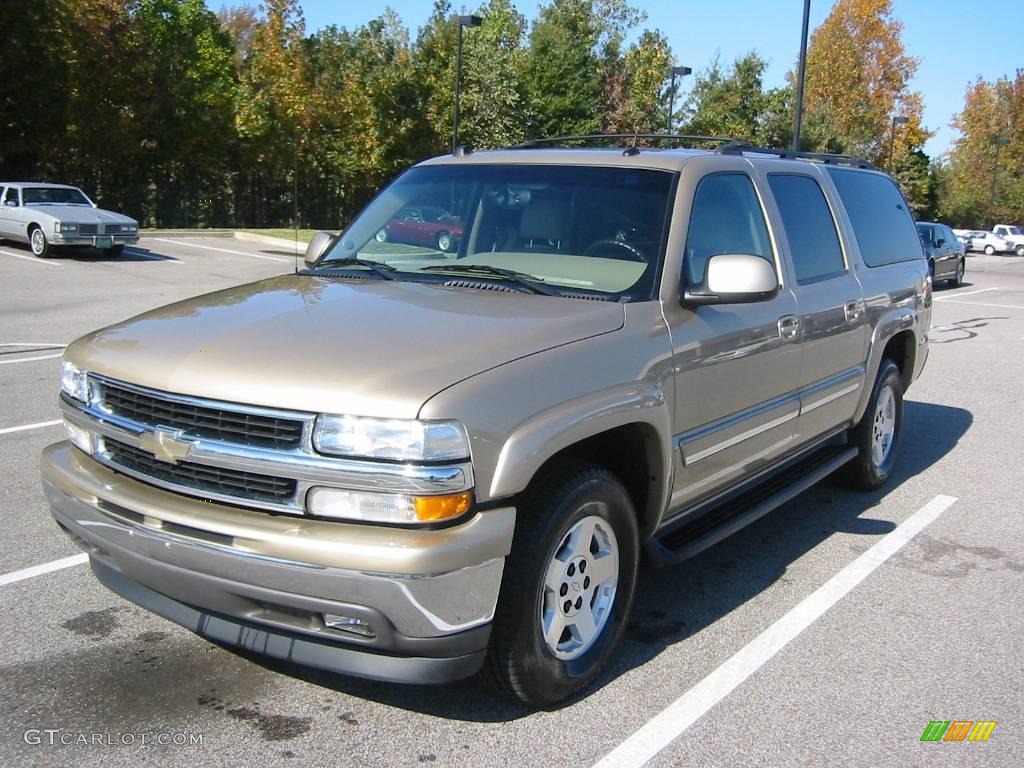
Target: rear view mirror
{"x": 318, "y": 246}
{"x": 733, "y": 278}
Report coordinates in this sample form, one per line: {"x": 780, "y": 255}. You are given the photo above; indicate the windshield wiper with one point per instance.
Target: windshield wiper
{"x": 531, "y": 283}
{"x": 378, "y": 268}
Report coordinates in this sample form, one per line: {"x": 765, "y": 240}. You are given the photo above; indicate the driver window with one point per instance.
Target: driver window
{"x": 11, "y": 196}
{"x": 726, "y": 218}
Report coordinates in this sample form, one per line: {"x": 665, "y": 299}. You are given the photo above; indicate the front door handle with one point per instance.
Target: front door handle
{"x": 789, "y": 327}
{"x": 854, "y": 312}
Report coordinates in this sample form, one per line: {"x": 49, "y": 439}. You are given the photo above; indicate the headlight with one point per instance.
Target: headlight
{"x": 385, "y": 507}
{"x": 74, "y": 382}
{"x": 65, "y": 228}
{"x": 391, "y": 439}
{"x": 129, "y": 227}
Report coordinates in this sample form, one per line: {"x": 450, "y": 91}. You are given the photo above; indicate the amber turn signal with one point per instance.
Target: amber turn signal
{"x": 431, "y": 508}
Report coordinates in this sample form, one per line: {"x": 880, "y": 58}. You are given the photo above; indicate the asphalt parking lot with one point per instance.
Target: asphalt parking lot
{"x": 764, "y": 650}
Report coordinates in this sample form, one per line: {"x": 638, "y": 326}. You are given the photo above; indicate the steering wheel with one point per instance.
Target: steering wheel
{"x": 631, "y": 253}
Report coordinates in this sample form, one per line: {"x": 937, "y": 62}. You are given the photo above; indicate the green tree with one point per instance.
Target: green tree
{"x": 993, "y": 116}
{"x": 562, "y": 73}
{"x": 493, "y": 106}
{"x": 635, "y": 93}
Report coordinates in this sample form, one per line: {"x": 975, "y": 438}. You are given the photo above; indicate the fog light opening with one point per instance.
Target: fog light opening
{"x": 349, "y": 624}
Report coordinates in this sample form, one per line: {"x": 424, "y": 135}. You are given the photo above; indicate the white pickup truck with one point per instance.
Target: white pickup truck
{"x": 1013, "y": 234}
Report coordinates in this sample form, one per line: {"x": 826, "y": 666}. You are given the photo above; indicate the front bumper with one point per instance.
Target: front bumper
{"x": 232, "y": 575}
{"x": 94, "y": 241}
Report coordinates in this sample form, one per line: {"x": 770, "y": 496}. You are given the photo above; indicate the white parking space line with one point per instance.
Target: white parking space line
{"x": 32, "y": 259}
{"x": 985, "y": 304}
{"x": 670, "y": 723}
{"x": 39, "y": 570}
{"x": 965, "y": 293}
{"x": 220, "y": 250}
{"x": 30, "y": 359}
{"x": 26, "y": 427}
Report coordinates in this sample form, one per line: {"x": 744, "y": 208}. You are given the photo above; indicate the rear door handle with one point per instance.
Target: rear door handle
{"x": 789, "y": 327}
{"x": 853, "y": 311}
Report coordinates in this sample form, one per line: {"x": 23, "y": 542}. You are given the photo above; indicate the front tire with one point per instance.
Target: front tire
{"x": 989, "y": 250}
{"x": 382, "y": 235}
{"x": 114, "y": 251}
{"x": 444, "y": 242}
{"x": 1019, "y": 250}
{"x": 877, "y": 435}
{"x": 39, "y": 244}
{"x": 958, "y": 278}
{"x": 568, "y": 586}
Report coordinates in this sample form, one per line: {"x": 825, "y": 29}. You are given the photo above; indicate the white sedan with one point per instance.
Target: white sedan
{"x": 50, "y": 215}
{"x": 988, "y": 242}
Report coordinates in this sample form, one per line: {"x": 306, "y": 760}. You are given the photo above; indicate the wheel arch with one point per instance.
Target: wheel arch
{"x": 637, "y": 452}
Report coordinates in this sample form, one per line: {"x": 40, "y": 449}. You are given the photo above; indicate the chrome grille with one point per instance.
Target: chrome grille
{"x": 200, "y": 477}
{"x": 88, "y": 229}
{"x": 244, "y": 428}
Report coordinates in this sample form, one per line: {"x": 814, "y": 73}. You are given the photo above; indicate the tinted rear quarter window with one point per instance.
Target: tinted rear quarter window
{"x": 881, "y": 222}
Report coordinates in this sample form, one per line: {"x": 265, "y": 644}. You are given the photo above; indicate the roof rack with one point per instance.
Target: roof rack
{"x": 738, "y": 147}
{"x": 632, "y": 138}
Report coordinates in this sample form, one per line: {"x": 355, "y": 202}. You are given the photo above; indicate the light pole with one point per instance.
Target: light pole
{"x": 464, "y": 21}
{"x": 681, "y": 72}
{"x": 798, "y": 112}
{"x": 896, "y": 120}
{"x": 1000, "y": 142}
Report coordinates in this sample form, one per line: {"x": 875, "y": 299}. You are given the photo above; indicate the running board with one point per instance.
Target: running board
{"x": 692, "y": 538}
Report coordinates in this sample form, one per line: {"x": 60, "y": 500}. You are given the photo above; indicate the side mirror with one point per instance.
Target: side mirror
{"x": 733, "y": 278}
{"x": 11, "y": 203}
{"x": 940, "y": 242}
{"x": 317, "y": 247}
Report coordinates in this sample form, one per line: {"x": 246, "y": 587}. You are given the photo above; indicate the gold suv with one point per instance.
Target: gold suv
{"x": 416, "y": 462}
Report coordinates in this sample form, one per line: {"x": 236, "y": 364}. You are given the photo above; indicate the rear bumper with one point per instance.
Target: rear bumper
{"x": 424, "y": 627}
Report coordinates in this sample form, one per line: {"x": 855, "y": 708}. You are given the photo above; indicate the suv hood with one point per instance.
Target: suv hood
{"x": 363, "y": 347}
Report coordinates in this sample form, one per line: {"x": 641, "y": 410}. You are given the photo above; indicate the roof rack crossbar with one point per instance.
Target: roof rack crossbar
{"x": 738, "y": 147}
{"x": 632, "y": 138}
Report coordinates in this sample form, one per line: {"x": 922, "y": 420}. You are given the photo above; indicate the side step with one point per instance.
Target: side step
{"x": 693, "y": 537}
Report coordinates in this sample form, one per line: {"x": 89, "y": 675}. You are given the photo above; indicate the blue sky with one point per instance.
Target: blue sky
{"x": 955, "y": 42}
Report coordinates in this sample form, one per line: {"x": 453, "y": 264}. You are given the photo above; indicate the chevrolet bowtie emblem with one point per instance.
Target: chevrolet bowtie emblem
{"x": 166, "y": 444}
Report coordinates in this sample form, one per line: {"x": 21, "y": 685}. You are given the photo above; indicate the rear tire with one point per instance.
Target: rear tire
{"x": 877, "y": 435}
{"x": 568, "y": 585}
{"x": 38, "y": 243}
{"x": 444, "y": 242}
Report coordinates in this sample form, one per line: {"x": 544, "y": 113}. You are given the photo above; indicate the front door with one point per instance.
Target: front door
{"x": 736, "y": 367}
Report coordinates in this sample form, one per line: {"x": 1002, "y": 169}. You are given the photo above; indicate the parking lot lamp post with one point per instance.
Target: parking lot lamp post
{"x": 798, "y": 111}
{"x": 896, "y": 120}
{"x": 464, "y": 21}
{"x": 1000, "y": 142}
{"x": 681, "y": 72}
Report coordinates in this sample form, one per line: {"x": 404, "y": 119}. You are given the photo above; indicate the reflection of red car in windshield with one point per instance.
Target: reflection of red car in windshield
{"x": 425, "y": 225}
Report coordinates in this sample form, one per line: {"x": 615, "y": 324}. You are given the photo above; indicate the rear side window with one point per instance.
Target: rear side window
{"x": 726, "y": 218}
{"x": 810, "y": 229}
{"x": 881, "y": 222}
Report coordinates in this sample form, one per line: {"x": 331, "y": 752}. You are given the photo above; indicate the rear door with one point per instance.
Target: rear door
{"x": 830, "y": 301}
{"x": 8, "y": 215}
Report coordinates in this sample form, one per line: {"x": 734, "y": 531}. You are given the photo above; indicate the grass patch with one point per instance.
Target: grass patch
{"x": 305, "y": 235}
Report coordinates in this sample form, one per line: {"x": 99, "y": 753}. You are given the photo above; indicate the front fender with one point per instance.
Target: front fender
{"x": 547, "y": 433}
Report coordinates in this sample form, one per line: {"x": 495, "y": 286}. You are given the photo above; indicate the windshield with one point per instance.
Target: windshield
{"x": 594, "y": 229}
{"x": 64, "y": 195}
{"x": 1015, "y": 230}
